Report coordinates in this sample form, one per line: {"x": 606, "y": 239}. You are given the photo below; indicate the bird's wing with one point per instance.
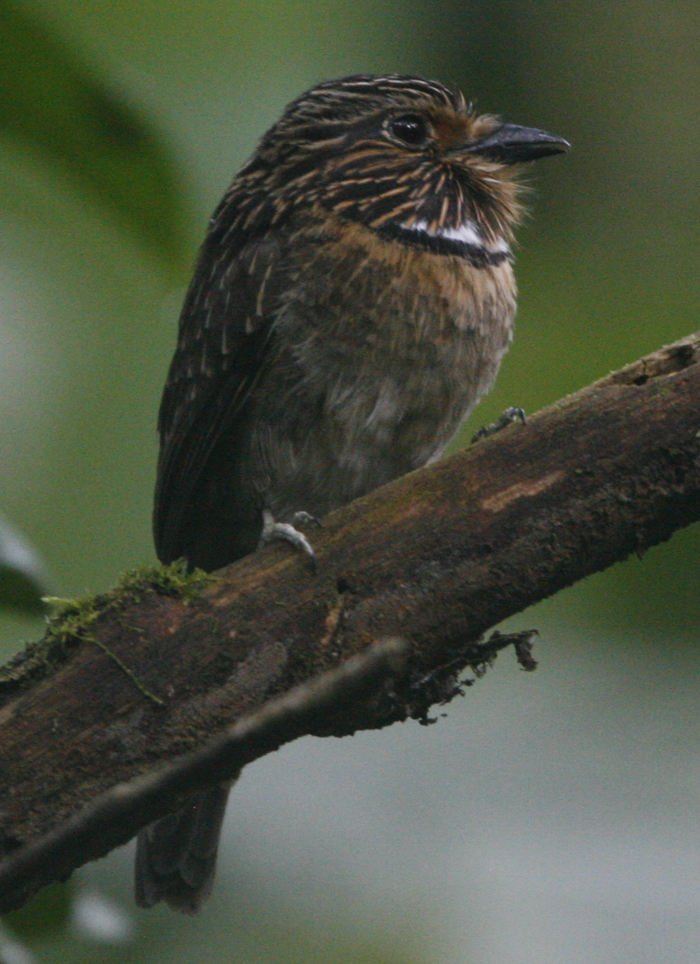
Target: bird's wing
{"x": 223, "y": 339}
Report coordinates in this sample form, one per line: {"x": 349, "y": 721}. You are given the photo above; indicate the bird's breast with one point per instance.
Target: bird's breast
{"x": 390, "y": 315}
{"x": 390, "y": 348}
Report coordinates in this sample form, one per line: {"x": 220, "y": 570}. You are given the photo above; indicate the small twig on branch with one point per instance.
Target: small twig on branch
{"x": 521, "y": 642}
{"x": 437, "y": 559}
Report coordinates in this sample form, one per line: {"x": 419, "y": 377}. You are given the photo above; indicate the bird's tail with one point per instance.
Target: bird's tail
{"x": 176, "y": 856}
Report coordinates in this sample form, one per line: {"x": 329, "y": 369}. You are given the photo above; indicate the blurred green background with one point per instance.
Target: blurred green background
{"x": 550, "y": 818}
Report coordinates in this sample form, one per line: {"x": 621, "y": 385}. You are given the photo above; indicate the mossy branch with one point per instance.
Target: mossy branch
{"x": 106, "y": 723}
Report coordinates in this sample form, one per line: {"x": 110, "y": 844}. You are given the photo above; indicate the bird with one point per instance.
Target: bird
{"x": 351, "y": 303}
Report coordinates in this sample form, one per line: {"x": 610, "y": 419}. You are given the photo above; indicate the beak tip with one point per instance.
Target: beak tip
{"x": 560, "y": 144}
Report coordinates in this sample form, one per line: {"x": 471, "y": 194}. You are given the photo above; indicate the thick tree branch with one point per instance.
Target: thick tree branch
{"x": 105, "y": 722}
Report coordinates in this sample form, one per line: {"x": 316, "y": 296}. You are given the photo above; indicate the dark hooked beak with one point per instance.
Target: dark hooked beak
{"x": 510, "y": 144}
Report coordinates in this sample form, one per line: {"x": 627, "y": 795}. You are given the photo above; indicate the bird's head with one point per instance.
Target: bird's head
{"x": 399, "y": 154}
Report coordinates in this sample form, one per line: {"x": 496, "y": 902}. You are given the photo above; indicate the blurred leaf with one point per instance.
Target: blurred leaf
{"x": 45, "y": 915}
{"x": 62, "y": 109}
{"x": 22, "y": 574}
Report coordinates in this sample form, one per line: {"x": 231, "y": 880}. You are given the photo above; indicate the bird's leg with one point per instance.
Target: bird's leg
{"x": 512, "y": 414}
{"x": 284, "y": 530}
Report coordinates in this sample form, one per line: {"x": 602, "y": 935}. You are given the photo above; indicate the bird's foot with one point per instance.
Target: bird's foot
{"x": 512, "y": 414}
{"x": 305, "y": 519}
{"x": 272, "y": 530}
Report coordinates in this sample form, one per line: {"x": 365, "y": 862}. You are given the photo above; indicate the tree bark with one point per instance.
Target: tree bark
{"x": 146, "y": 693}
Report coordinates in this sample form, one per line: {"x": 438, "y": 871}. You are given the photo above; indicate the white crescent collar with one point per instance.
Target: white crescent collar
{"x": 467, "y": 233}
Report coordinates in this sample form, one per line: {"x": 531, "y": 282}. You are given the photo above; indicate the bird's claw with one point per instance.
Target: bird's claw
{"x": 272, "y": 530}
{"x": 513, "y": 414}
{"x": 305, "y": 519}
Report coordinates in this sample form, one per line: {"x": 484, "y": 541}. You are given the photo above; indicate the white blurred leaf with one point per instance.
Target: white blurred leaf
{"x": 23, "y": 576}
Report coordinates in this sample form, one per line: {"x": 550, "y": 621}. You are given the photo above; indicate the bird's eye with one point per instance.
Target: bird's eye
{"x": 410, "y": 128}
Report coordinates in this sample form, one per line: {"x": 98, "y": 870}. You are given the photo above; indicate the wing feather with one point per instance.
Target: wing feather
{"x": 222, "y": 345}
